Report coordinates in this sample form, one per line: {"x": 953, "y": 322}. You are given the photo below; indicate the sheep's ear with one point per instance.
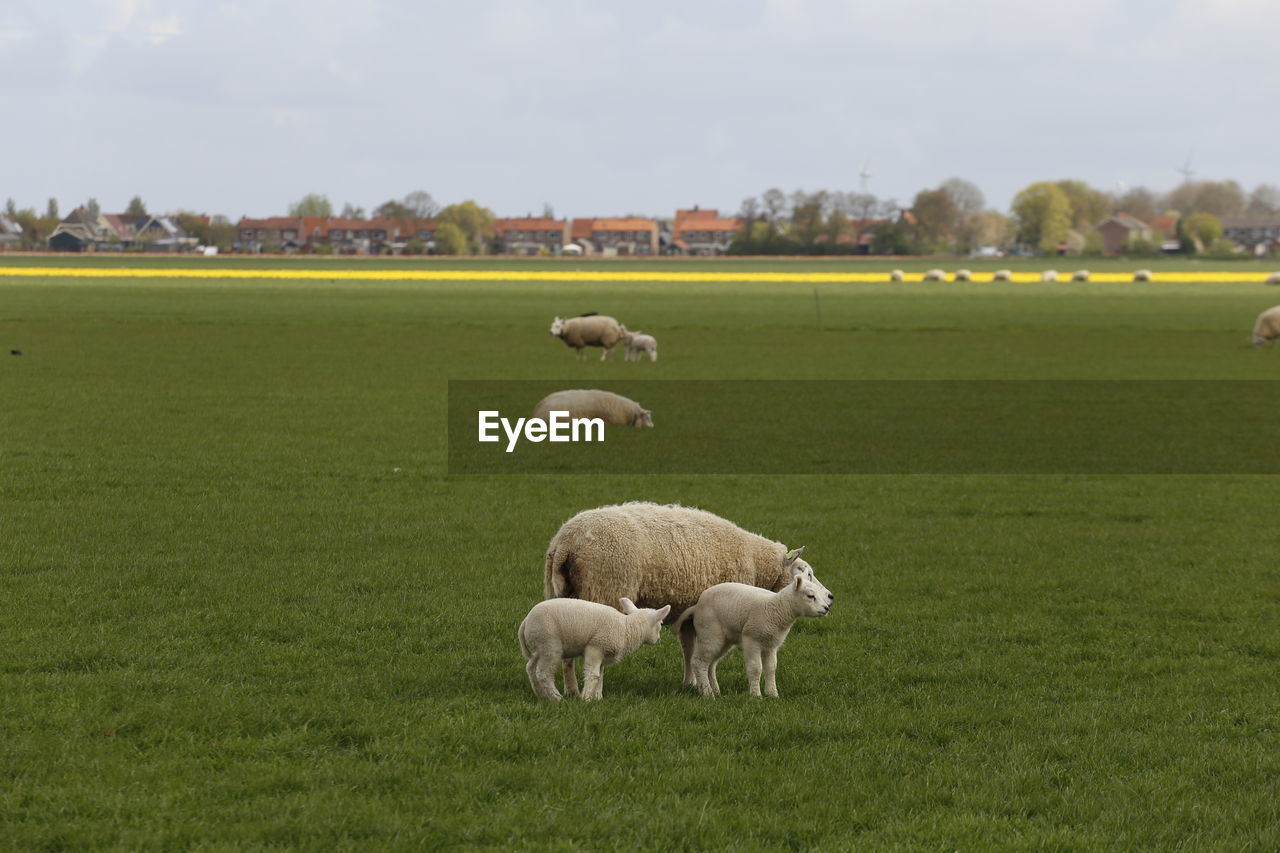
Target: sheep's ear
{"x": 799, "y": 580}
{"x": 659, "y": 615}
{"x": 628, "y": 606}
{"x": 792, "y": 556}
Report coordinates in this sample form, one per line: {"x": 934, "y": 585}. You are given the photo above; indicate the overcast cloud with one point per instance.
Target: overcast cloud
{"x": 596, "y": 108}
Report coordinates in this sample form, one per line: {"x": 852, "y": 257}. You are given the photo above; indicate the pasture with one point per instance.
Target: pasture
{"x": 246, "y": 606}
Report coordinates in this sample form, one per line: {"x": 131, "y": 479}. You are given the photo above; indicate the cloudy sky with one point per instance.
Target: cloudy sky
{"x": 600, "y": 108}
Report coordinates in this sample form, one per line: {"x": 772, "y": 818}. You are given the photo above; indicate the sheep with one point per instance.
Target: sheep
{"x": 964, "y": 275}
{"x": 1080, "y": 275}
{"x": 1002, "y": 275}
{"x": 1274, "y": 278}
{"x": 1267, "y": 327}
{"x": 594, "y": 330}
{"x": 564, "y": 629}
{"x": 896, "y": 275}
{"x": 659, "y": 554}
{"x": 1049, "y": 276}
{"x": 639, "y": 342}
{"x": 935, "y": 275}
{"x": 1142, "y": 275}
{"x": 613, "y": 409}
{"x": 736, "y": 614}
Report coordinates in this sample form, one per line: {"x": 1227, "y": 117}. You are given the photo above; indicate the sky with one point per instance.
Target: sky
{"x": 606, "y": 109}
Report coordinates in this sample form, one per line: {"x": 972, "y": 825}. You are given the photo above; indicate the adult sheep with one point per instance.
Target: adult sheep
{"x": 964, "y": 275}
{"x": 1049, "y": 275}
{"x": 935, "y": 275}
{"x": 1142, "y": 275}
{"x": 1002, "y": 275}
{"x": 660, "y": 554}
{"x": 1267, "y": 327}
{"x": 613, "y": 409}
{"x": 593, "y": 330}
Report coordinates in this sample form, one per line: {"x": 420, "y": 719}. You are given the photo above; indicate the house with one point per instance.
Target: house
{"x": 1255, "y": 234}
{"x": 161, "y": 234}
{"x": 1119, "y": 230}
{"x": 273, "y": 234}
{"x": 10, "y": 233}
{"x": 82, "y": 231}
{"x": 343, "y": 235}
{"x": 624, "y": 236}
{"x": 530, "y": 235}
{"x": 703, "y": 232}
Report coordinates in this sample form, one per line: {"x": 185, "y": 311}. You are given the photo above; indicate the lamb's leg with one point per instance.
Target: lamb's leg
{"x": 771, "y": 671}
{"x": 711, "y": 672}
{"x": 653, "y": 355}
{"x": 592, "y": 674}
{"x": 570, "y": 678}
{"x": 542, "y": 675}
{"x": 751, "y": 655}
{"x": 701, "y": 672}
{"x": 688, "y": 642}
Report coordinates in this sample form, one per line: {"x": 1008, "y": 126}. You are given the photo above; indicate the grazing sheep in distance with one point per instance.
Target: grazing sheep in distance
{"x": 1049, "y": 275}
{"x": 964, "y": 275}
{"x": 613, "y": 409}
{"x": 659, "y": 554}
{"x": 1142, "y": 275}
{"x": 896, "y": 275}
{"x": 935, "y": 275}
{"x": 1080, "y": 275}
{"x": 1274, "y": 278}
{"x": 1267, "y": 327}
{"x": 1002, "y": 275}
{"x": 638, "y": 342}
{"x": 593, "y": 330}
{"x": 563, "y": 629}
{"x": 736, "y": 614}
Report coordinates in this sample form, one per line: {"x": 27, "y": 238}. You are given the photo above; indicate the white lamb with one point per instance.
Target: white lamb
{"x": 564, "y": 629}
{"x": 964, "y": 275}
{"x": 737, "y": 614}
{"x": 896, "y": 275}
{"x": 1002, "y": 275}
{"x": 1080, "y": 275}
{"x": 935, "y": 275}
{"x": 1267, "y": 327}
{"x": 1049, "y": 275}
{"x": 637, "y": 343}
{"x": 1142, "y": 275}
{"x": 1274, "y": 278}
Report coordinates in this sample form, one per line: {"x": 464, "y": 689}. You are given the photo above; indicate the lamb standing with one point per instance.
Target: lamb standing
{"x": 659, "y": 554}
{"x": 613, "y": 409}
{"x": 735, "y": 614}
{"x": 637, "y": 343}
{"x": 563, "y": 629}
{"x": 1267, "y": 327}
{"x": 591, "y": 330}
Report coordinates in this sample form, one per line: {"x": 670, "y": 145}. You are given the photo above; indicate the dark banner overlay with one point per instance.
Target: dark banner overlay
{"x": 885, "y": 427}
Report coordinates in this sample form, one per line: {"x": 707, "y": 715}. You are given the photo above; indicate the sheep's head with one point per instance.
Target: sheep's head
{"x": 557, "y": 327}
{"x": 644, "y": 419}
{"x": 653, "y": 628}
{"x": 815, "y": 598}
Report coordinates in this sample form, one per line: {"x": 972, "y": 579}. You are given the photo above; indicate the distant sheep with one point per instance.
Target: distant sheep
{"x": 964, "y": 275}
{"x": 1080, "y": 275}
{"x": 613, "y": 409}
{"x": 1267, "y": 327}
{"x": 1049, "y": 275}
{"x": 1002, "y": 275}
{"x": 564, "y": 629}
{"x": 935, "y": 275}
{"x": 592, "y": 330}
{"x": 1142, "y": 275}
{"x": 1274, "y": 278}
{"x": 736, "y": 614}
{"x": 656, "y": 555}
{"x": 896, "y": 275}
{"x": 637, "y": 343}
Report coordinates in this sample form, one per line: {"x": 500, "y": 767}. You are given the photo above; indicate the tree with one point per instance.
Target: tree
{"x": 92, "y": 209}
{"x": 1043, "y": 213}
{"x": 1221, "y": 198}
{"x": 421, "y": 204}
{"x": 351, "y": 211}
{"x": 1264, "y": 200}
{"x": 808, "y": 215}
{"x": 51, "y": 209}
{"x": 10, "y": 207}
{"x": 313, "y": 204}
{"x": 1088, "y": 206}
{"x": 775, "y": 205}
{"x": 936, "y": 216}
{"x": 450, "y": 239}
{"x": 393, "y": 210}
{"x": 1139, "y": 202}
{"x": 472, "y": 220}
{"x": 969, "y": 200}
{"x": 136, "y": 207}
{"x": 1202, "y": 229}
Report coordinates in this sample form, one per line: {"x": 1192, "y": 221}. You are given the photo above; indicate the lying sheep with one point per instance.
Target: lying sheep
{"x": 1142, "y": 275}
{"x": 1080, "y": 275}
{"x": 896, "y": 275}
{"x": 935, "y": 275}
{"x": 593, "y": 330}
{"x": 655, "y": 555}
{"x": 1049, "y": 275}
{"x": 964, "y": 275}
{"x": 613, "y": 409}
{"x": 1274, "y": 278}
{"x": 1002, "y": 275}
{"x": 1267, "y": 327}
{"x": 638, "y": 342}
{"x": 563, "y": 629}
{"x": 735, "y": 614}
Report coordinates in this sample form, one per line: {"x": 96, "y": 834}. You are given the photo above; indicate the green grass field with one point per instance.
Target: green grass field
{"x": 246, "y": 607}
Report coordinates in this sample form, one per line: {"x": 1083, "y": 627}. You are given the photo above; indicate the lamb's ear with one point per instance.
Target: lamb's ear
{"x": 661, "y": 613}
{"x": 628, "y": 606}
{"x": 799, "y": 580}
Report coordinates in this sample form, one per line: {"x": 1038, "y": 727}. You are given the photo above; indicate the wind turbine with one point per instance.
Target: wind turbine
{"x": 863, "y": 176}
{"x": 1187, "y": 172}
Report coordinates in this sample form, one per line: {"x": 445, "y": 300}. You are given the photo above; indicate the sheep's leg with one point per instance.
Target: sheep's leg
{"x": 582, "y": 353}
{"x": 771, "y": 671}
{"x": 542, "y": 675}
{"x": 604, "y": 353}
{"x": 711, "y": 671}
{"x": 752, "y": 654}
{"x": 592, "y": 674}
{"x": 570, "y": 678}
{"x": 688, "y": 642}
{"x": 701, "y": 672}
{"x": 653, "y": 355}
